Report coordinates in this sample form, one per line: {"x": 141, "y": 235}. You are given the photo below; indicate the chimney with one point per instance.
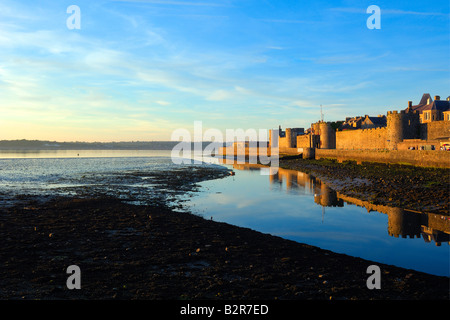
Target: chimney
{"x": 437, "y": 98}
{"x": 409, "y": 104}
{"x": 428, "y": 100}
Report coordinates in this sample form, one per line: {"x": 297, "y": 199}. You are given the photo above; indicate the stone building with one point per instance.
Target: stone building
{"x": 351, "y": 123}
{"x": 431, "y": 110}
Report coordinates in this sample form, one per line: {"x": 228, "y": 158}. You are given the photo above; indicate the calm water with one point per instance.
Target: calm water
{"x": 290, "y": 204}
{"x": 122, "y": 173}
{"x": 297, "y": 206}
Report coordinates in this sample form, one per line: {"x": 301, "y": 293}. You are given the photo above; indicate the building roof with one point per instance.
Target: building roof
{"x": 351, "y": 123}
{"x": 442, "y": 105}
{"x": 424, "y": 99}
{"x": 377, "y": 121}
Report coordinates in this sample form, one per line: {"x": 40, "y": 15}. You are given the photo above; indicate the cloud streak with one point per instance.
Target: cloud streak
{"x": 164, "y": 63}
{"x": 391, "y": 11}
{"x": 174, "y": 3}
{"x": 286, "y": 21}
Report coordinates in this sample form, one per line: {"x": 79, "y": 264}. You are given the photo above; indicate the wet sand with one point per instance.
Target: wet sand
{"x": 151, "y": 252}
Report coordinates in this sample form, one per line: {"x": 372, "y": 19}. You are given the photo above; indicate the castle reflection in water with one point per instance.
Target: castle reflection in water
{"x": 401, "y": 222}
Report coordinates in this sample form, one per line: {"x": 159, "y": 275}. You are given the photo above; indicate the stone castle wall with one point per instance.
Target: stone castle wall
{"x": 403, "y": 131}
{"x": 361, "y": 139}
{"x": 422, "y": 158}
{"x": 400, "y": 129}
{"x": 285, "y": 144}
{"x": 304, "y": 141}
{"x": 434, "y": 130}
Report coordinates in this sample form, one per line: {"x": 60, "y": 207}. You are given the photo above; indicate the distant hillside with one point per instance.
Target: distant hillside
{"x": 54, "y": 145}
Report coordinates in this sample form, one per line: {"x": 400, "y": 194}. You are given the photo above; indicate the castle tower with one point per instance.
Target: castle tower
{"x": 394, "y": 129}
{"x": 401, "y": 126}
{"x": 316, "y": 128}
{"x": 411, "y": 125}
{"x": 289, "y": 138}
{"x": 327, "y": 136}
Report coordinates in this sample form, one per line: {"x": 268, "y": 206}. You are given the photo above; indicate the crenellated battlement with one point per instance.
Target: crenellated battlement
{"x": 372, "y": 130}
{"x": 369, "y": 133}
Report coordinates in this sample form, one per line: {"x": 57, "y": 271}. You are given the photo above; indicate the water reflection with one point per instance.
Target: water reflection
{"x": 401, "y": 222}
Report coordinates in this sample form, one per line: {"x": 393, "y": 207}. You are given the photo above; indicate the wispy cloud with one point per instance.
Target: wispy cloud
{"x": 275, "y": 48}
{"x": 390, "y": 11}
{"x": 141, "y": 66}
{"x": 286, "y": 21}
{"x": 176, "y": 3}
{"x": 162, "y": 102}
{"x": 347, "y": 59}
{"x": 340, "y": 87}
{"x": 418, "y": 13}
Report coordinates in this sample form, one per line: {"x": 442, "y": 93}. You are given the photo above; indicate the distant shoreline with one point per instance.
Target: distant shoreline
{"x": 121, "y": 145}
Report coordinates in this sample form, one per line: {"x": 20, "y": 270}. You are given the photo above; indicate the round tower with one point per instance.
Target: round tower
{"x": 394, "y": 129}
{"x": 289, "y": 138}
{"x": 327, "y": 136}
{"x": 316, "y": 128}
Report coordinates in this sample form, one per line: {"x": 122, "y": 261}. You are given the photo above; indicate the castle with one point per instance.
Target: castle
{"x": 421, "y": 127}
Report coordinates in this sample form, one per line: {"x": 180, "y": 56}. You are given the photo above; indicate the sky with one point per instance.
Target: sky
{"x": 137, "y": 70}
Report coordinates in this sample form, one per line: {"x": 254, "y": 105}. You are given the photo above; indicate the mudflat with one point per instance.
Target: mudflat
{"x": 129, "y": 251}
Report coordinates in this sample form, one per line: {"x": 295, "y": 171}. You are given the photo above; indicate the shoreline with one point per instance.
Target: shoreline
{"x": 151, "y": 252}
{"x": 147, "y": 252}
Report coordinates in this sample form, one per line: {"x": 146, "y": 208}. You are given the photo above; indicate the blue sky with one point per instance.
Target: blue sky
{"x": 138, "y": 70}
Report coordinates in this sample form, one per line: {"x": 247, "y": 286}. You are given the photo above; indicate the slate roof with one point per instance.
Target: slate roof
{"x": 442, "y": 105}
{"x": 377, "y": 121}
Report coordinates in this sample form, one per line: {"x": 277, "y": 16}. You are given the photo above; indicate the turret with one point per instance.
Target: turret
{"x": 394, "y": 129}
{"x": 403, "y": 125}
{"x": 289, "y": 138}
{"x": 327, "y": 136}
